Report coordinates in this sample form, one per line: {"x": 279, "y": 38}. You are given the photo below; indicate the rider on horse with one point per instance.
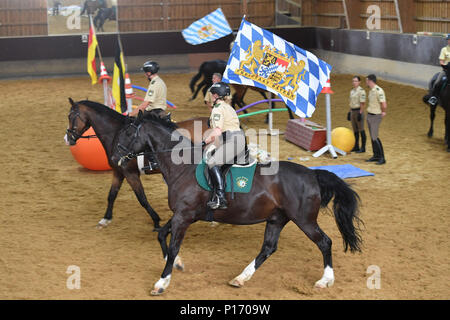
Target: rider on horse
{"x": 226, "y": 142}
{"x": 444, "y": 59}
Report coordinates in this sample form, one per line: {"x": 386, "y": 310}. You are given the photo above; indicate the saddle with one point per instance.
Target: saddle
{"x": 237, "y": 177}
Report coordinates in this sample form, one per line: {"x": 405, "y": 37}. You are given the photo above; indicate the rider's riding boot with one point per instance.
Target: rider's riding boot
{"x": 153, "y": 165}
{"x": 363, "y": 142}
{"x": 218, "y": 200}
{"x": 376, "y": 153}
{"x": 381, "y": 159}
{"x": 356, "y": 147}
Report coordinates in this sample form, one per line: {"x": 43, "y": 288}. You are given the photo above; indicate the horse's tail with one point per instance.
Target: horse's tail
{"x": 345, "y": 207}
{"x": 196, "y": 77}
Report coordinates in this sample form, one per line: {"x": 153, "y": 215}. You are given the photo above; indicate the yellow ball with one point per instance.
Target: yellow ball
{"x": 343, "y": 138}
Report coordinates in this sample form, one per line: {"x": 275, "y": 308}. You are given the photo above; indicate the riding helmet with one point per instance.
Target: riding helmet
{"x": 150, "y": 66}
{"x": 222, "y": 89}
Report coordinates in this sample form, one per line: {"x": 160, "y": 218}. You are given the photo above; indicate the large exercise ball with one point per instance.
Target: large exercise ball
{"x": 343, "y": 138}
{"x": 90, "y": 152}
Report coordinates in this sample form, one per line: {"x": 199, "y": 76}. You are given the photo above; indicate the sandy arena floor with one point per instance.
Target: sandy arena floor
{"x": 49, "y": 207}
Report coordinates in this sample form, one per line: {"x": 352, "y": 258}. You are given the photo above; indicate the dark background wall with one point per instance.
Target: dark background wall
{"x": 392, "y": 46}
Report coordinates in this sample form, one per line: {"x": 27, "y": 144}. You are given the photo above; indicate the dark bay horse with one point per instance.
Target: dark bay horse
{"x": 106, "y": 123}
{"x": 291, "y": 193}
{"x": 444, "y": 102}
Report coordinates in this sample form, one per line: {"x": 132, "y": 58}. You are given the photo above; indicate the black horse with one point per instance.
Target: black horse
{"x": 106, "y": 123}
{"x": 291, "y": 193}
{"x": 444, "y": 102}
{"x": 104, "y": 14}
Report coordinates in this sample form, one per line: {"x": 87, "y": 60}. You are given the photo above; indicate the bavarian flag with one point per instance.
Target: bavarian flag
{"x": 92, "y": 46}
{"x": 209, "y": 28}
{"x": 118, "y": 82}
{"x": 261, "y": 59}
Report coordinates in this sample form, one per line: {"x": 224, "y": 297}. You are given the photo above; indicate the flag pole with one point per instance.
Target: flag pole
{"x": 104, "y": 77}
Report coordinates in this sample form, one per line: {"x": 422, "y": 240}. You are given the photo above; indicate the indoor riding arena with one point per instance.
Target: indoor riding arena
{"x": 50, "y": 245}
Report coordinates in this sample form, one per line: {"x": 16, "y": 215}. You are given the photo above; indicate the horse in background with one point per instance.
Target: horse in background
{"x": 104, "y": 14}
{"x": 444, "y": 102}
{"x": 106, "y": 122}
{"x": 207, "y": 69}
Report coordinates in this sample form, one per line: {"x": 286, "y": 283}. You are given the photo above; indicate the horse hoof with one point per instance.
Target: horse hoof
{"x": 236, "y": 283}
{"x": 103, "y": 223}
{"x": 178, "y": 264}
{"x": 157, "y": 291}
{"x": 324, "y": 283}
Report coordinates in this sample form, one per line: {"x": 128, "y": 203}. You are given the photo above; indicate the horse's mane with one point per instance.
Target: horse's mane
{"x": 104, "y": 110}
{"x": 164, "y": 121}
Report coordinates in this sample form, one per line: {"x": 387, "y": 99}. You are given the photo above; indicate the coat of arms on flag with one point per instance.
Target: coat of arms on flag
{"x": 211, "y": 27}
{"x": 262, "y": 59}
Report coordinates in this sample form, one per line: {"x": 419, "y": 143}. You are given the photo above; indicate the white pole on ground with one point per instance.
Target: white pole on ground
{"x": 328, "y": 147}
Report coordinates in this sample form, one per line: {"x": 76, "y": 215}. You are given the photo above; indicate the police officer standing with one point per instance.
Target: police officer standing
{"x": 156, "y": 96}
{"x": 376, "y": 111}
{"x": 225, "y": 142}
{"x": 444, "y": 59}
{"x": 356, "y": 114}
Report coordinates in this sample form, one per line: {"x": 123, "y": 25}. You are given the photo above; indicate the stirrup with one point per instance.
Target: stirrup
{"x": 433, "y": 101}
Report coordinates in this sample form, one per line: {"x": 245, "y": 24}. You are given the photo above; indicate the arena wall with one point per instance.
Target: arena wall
{"x": 406, "y": 58}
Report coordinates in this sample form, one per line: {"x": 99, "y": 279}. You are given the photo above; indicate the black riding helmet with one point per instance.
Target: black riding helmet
{"x": 222, "y": 89}
{"x": 150, "y": 66}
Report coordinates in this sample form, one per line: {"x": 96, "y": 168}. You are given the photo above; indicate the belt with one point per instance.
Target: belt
{"x": 355, "y": 109}
{"x": 373, "y": 114}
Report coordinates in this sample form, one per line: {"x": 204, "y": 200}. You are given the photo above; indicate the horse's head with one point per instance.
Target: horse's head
{"x": 129, "y": 142}
{"x": 78, "y": 124}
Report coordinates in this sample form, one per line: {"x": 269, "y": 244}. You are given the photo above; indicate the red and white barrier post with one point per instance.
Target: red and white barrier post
{"x": 129, "y": 93}
{"x": 105, "y": 79}
{"x": 329, "y": 147}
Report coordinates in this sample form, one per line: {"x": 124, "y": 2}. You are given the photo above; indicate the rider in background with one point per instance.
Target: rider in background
{"x": 444, "y": 59}
{"x": 156, "y": 97}
{"x": 216, "y": 77}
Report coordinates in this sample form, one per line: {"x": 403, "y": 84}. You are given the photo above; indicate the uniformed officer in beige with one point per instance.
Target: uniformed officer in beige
{"x": 356, "y": 114}
{"x": 156, "y": 96}
{"x": 444, "y": 59}
{"x": 226, "y": 142}
{"x": 376, "y": 111}
{"x": 216, "y": 77}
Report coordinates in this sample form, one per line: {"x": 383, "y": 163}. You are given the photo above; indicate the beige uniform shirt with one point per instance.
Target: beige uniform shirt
{"x": 156, "y": 94}
{"x": 209, "y": 99}
{"x": 445, "y": 54}
{"x": 376, "y": 96}
{"x": 357, "y": 96}
{"x": 223, "y": 116}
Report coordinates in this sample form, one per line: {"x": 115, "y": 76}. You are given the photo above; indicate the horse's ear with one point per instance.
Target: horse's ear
{"x": 71, "y": 102}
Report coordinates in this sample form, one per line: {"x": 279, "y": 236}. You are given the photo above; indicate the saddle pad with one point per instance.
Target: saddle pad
{"x": 242, "y": 178}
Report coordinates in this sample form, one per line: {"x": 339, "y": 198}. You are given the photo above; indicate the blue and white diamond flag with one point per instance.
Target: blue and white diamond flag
{"x": 261, "y": 59}
{"x": 209, "y": 28}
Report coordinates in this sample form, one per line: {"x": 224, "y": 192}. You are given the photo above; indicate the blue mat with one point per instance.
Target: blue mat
{"x": 344, "y": 171}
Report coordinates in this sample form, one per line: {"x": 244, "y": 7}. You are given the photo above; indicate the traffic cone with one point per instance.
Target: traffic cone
{"x": 104, "y": 74}
{"x": 327, "y": 87}
{"x": 128, "y": 88}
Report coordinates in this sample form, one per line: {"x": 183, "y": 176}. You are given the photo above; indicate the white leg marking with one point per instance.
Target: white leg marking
{"x": 161, "y": 285}
{"x": 244, "y": 276}
{"x": 327, "y": 279}
{"x": 103, "y": 223}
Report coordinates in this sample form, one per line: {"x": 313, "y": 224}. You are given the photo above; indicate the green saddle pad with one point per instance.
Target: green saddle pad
{"x": 242, "y": 178}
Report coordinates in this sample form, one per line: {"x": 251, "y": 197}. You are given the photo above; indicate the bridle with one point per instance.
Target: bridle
{"x": 72, "y": 133}
{"x": 128, "y": 155}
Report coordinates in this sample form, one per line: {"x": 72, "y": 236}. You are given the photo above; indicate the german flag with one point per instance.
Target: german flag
{"x": 118, "y": 84}
{"x": 92, "y": 46}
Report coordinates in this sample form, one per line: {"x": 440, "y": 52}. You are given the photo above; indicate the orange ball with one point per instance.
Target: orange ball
{"x": 343, "y": 138}
{"x": 90, "y": 152}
